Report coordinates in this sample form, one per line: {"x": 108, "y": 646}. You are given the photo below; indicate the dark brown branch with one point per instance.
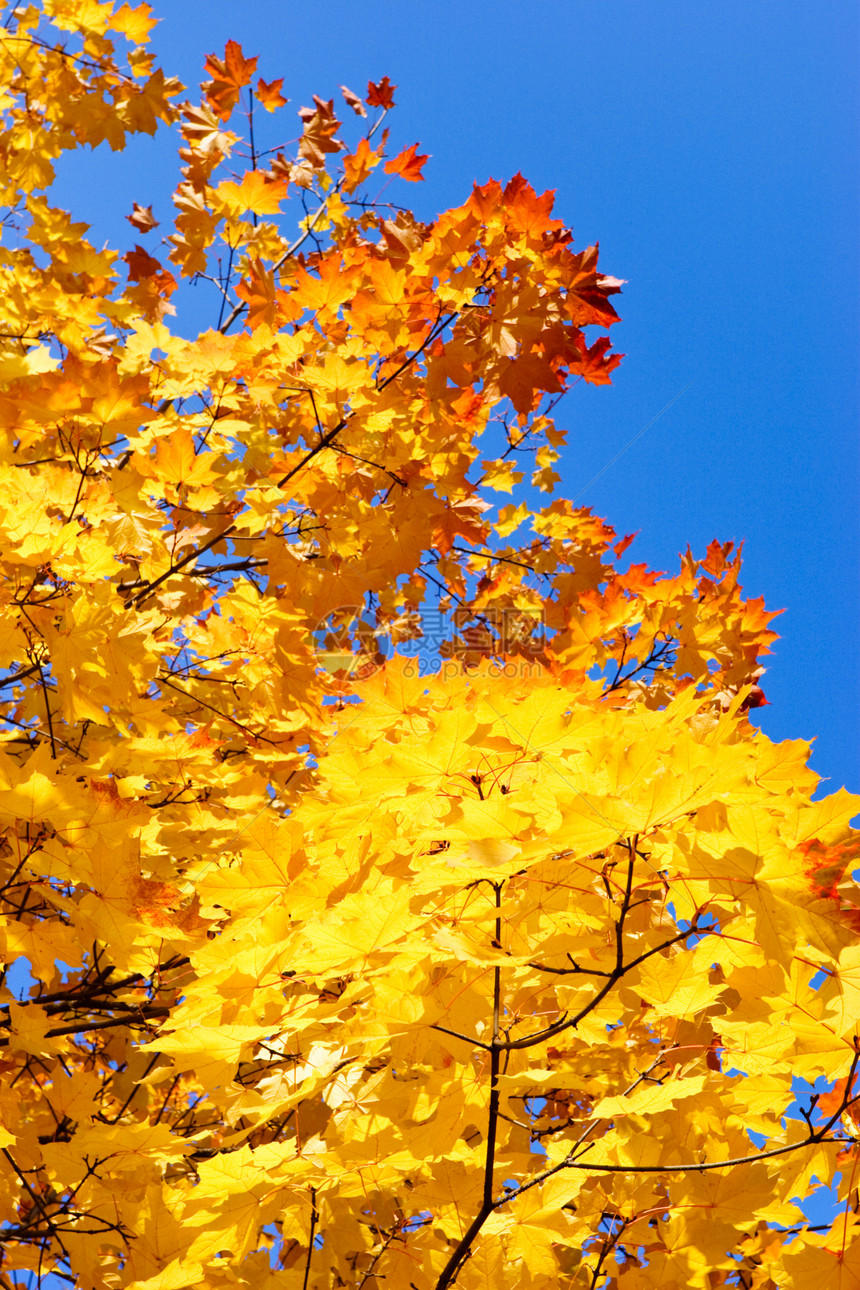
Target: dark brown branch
{"x": 135, "y": 1089}
{"x": 493, "y": 555}
{"x": 44, "y": 686}
{"x": 146, "y": 1014}
{"x": 303, "y": 237}
{"x": 813, "y": 1138}
{"x": 326, "y": 440}
{"x": 567, "y": 1023}
{"x": 367, "y": 462}
{"x": 452, "y": 1267}
{"x": 223, "y": 715}
{"x": 467, "y": 1039}
{"x": 655, "y": 656}
{"x": 84, "y": 993}
{"x": 390, "y": 1235}
{"x": 195, "y": 554}
{"x": 15, "y": 677}
{"x": 692, "y": 930}
{"x": 311, "y": 1237}
{"x": 239, "y": 566}
{"x": 91, "y": 64}
{"x": 37, "y": 1201}
{"x": 606, "y": 1250}
{"x": 435, "y": 330}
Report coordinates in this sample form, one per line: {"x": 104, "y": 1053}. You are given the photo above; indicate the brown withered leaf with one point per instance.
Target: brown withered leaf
{"x": 142, "y": 218}
{"x": 402, "y": 236}
{"x": 321, "y": 126}
{"x": 352, "y": 100}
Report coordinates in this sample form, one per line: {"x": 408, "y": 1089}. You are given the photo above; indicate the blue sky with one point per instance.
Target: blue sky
{"x": 713, "y": 152}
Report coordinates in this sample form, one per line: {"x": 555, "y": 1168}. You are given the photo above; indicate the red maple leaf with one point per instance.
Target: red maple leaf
{"x": 380, "y": 95}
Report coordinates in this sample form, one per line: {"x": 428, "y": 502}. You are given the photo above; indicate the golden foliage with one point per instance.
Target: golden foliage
{"x": 347, "y": 972}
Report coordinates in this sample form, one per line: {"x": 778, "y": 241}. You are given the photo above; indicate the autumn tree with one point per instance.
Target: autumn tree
{"x": 407, "y": 897}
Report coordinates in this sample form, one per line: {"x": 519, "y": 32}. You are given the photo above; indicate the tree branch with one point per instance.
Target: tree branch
{"x": 462, "y": 1250}
{"x": 813, "y": 1138}
{"x": 311, "y": 1236}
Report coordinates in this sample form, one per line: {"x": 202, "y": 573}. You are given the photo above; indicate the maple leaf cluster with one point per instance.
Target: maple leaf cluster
{"x": 406, "y": 896}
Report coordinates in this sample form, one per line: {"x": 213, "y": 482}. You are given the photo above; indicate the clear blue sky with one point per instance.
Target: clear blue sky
{"x": 713, "y": 152}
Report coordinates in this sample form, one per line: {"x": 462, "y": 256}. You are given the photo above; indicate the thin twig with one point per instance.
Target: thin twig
{"x": 311, "y": 1237}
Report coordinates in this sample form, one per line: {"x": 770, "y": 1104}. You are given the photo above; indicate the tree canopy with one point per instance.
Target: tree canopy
{"x": 407, "y": 897}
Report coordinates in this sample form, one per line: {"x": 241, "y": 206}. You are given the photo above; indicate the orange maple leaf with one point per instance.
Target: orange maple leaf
{"x": 587, "y": 301}
{"x": 320, "y": 127}
{"x": 622, "y": 544}
{"x": 461, "y": 518}
{"x": 256, "y": 193}
{"x": 329, "y": 290}
{"x": 485, "y": 200}
{"x": 594, "y": 366}
{"x": 359, "y": 164}
{"x": 525, "y": 378}
{"x": 229, "y": 77}
{"x": 407, "y": 164}
{"x": 528, "y": 213}
{"x": 830, "y": 1102}
{"x": 157, "y": 284}
{"x": 269, "y": 94}
{"x": 267, "y": 302}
